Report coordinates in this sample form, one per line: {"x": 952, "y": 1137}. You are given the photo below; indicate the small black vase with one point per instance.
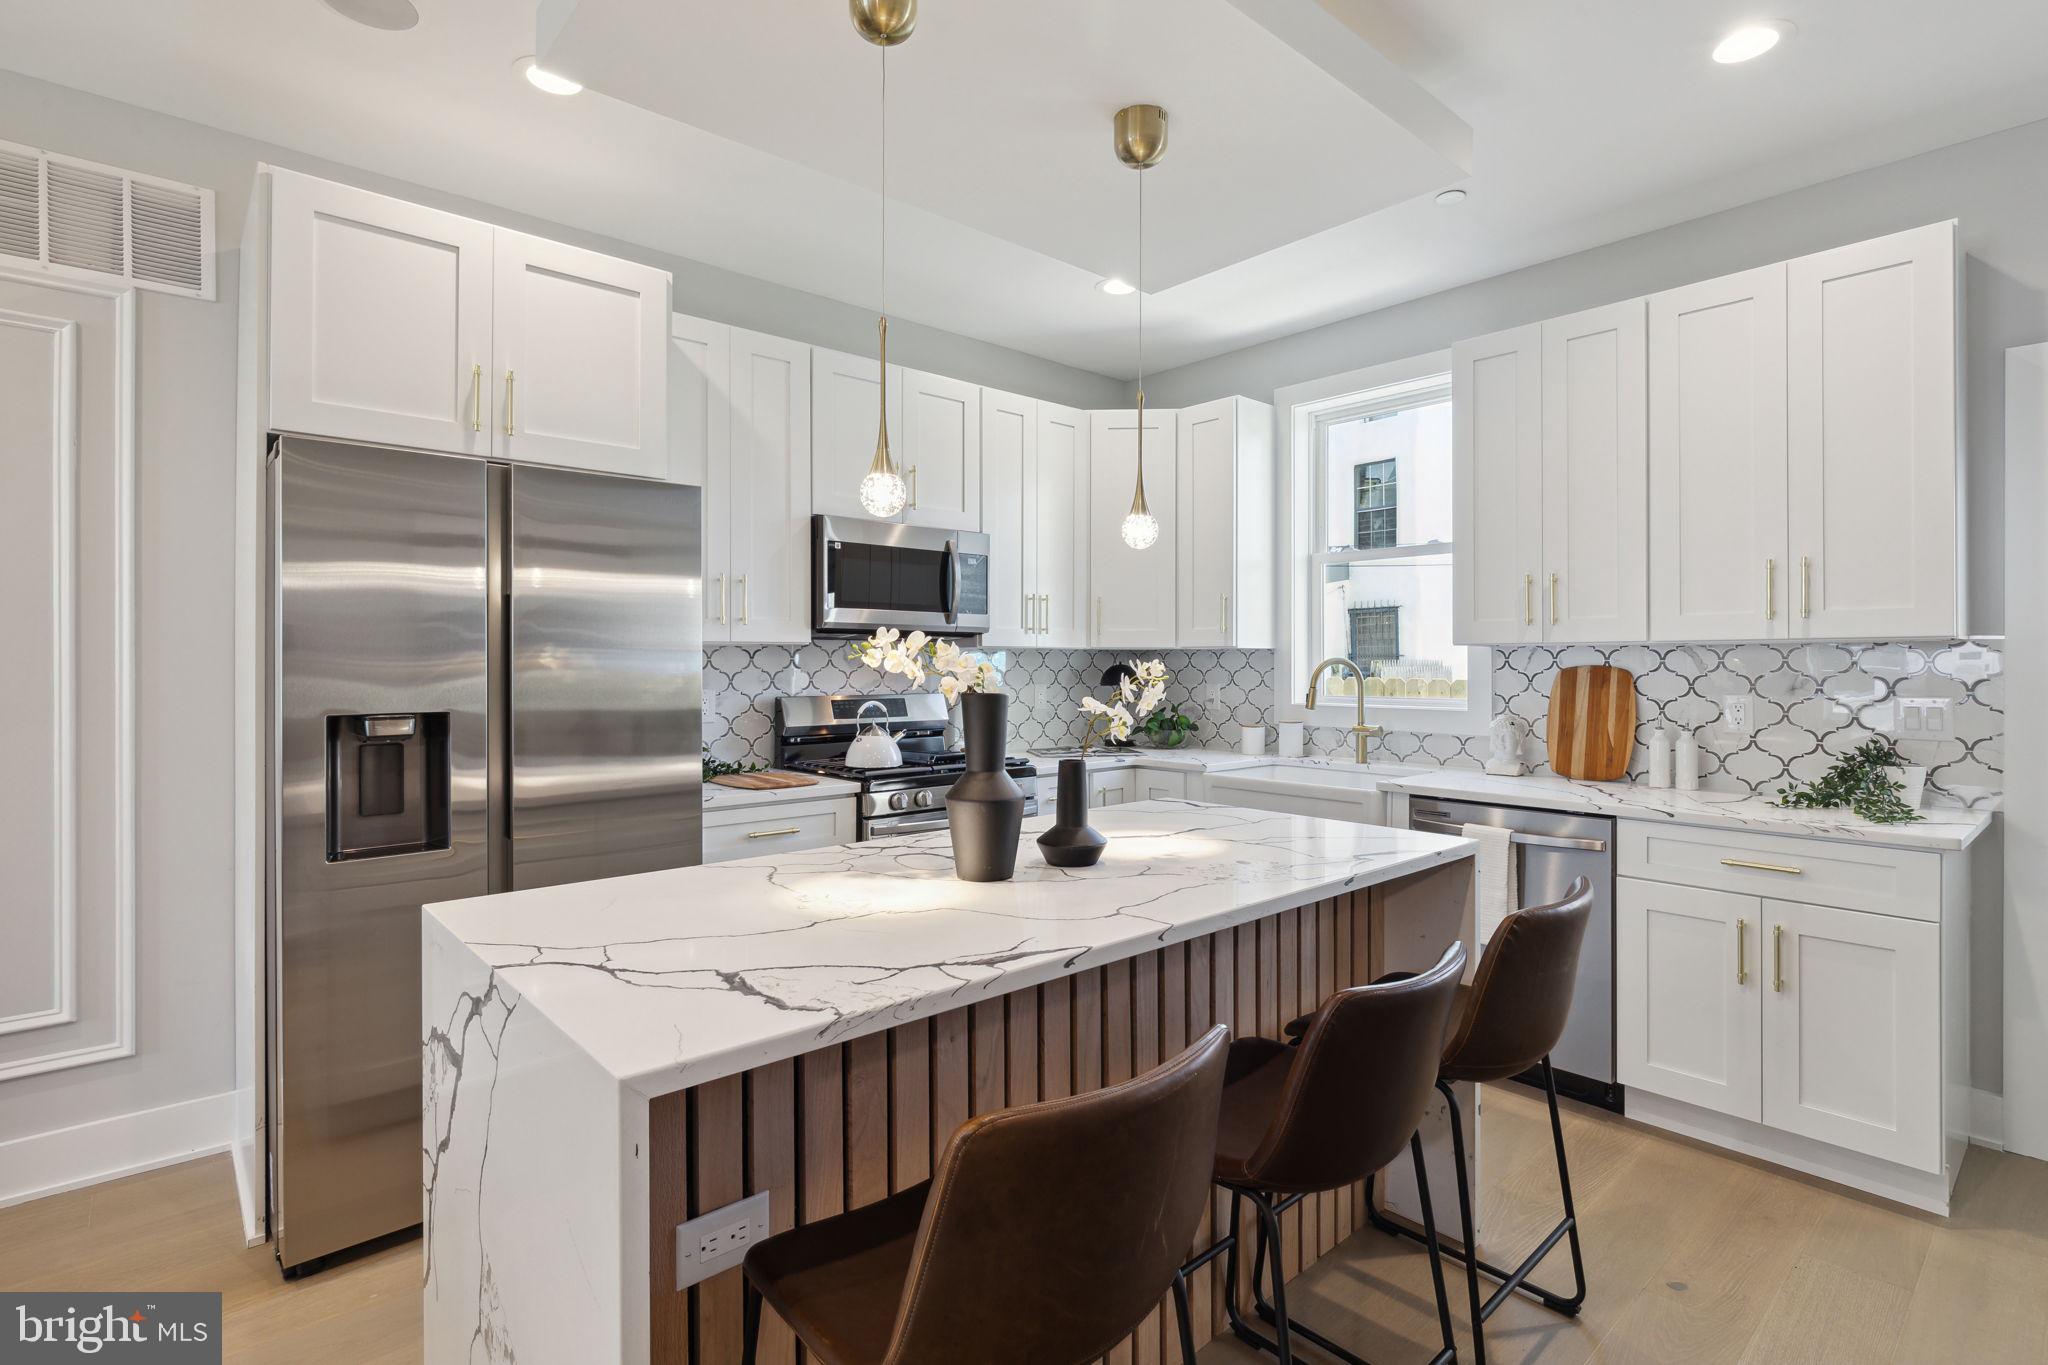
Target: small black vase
{"x": 985, "y": 808}
{"x": 1072, "y": 841}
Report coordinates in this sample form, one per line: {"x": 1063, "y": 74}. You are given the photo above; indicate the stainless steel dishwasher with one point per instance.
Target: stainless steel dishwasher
{"x": 1551, "y": 848}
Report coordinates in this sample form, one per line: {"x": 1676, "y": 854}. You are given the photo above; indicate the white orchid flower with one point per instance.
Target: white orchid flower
{"x": 1120, "y": 723}
{"x": 1093, "y": 707}
{"x": 1127, "y": 688}
{"x": 916, "y": 643}
{"x": 950, "y": 688}
{"x": 1151, "y": 698}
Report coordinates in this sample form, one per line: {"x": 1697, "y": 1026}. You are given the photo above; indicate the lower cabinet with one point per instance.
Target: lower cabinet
{"x": 1158, "y": 786}
{"x": 753, "y": 831}
{"x": 1809, "y": 1019}
{"x": 1112, "y": 788}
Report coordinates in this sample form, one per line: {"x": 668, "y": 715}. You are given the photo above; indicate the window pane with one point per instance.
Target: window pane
{"x": 1388, "y": 478}
{"x": 1394, "y": 617}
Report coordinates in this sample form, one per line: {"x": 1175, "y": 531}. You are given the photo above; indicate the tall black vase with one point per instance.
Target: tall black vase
{"x": 985, "y": 808}
{"x": 1072, "y": 841}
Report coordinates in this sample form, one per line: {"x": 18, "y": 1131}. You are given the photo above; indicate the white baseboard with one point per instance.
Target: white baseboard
{"x": 1987, "y": 1120}
{"x": 70, "y": 1158}
{"x": 248, "y": 1149}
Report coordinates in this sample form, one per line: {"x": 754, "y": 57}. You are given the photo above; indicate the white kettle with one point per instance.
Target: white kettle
{"x": 873, "y": 747}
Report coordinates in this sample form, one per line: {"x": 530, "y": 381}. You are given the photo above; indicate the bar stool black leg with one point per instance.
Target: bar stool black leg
{"x": 1436, "y": 1261}
{"x": 1180, "y": 1312}
{"x": 750, "y": 1329}
{"x": 1465, "y": 1225}
{"x": 1564, "y": 1185}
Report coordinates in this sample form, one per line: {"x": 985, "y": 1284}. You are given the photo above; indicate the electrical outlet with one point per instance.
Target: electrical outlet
{"x": 1923, "y": 717}
{"x": 717, "y": 1241}
{"x": 1738, "y": 713}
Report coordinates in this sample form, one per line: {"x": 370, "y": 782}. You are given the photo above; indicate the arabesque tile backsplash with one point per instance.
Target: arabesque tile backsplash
{"x": 1814, "y": 702}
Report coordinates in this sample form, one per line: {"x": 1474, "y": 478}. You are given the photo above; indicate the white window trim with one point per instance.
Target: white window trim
{"x": 1297, "y": 408}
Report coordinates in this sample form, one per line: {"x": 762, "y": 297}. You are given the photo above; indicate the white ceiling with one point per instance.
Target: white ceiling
{"x": 1590, "y": 121}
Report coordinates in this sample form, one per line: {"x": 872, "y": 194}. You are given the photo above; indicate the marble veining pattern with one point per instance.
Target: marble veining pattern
{"x": 1814, "y": 703}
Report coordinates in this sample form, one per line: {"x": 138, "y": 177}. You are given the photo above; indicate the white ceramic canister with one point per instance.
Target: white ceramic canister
{"x": 1291, "y": 738}
{"x": 1660, "y": 757}
{"x": 1685, "y": 761}
{"x": 1253, "y": 740}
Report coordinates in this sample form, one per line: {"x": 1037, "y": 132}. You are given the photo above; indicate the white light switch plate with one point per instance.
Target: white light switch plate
{"x": 717, "y": 1241}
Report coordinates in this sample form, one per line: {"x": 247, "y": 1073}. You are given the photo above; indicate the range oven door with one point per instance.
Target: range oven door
{"x": 869, "y": 574}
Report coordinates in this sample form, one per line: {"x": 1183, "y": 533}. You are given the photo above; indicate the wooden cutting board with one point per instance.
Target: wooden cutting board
{"x": 765, "y": 782}
{"x": 1592, "y": 723}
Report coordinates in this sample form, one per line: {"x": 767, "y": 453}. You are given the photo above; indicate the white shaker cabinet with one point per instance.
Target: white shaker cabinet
{"x": 1224, "y": 524}
{"x": 379, "y": 318}
{"x": 757, "y": 558}
{"x": 939, "y": 451}
{"x": 1686, "y": 1017}
{"x": 1871, "y": 358}
{"x": 580, "y": 347}
{"x": 1718, "y": 567}
{"x": 700, "y": 396}
{"x": 1034, "y": 510}
{"x": 1131, "y": 592}
{"x": 1595, "y": 584}
{"x": 844, "y": 415}
{"x": 1497, "y": 487}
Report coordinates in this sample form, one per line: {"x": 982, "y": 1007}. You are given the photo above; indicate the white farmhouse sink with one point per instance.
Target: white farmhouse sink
{"x": 1339, "y": 792}
{"x": 1295, "y": 775}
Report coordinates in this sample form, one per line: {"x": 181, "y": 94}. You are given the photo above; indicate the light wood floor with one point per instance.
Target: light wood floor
{"x": 1692, "y": 1255}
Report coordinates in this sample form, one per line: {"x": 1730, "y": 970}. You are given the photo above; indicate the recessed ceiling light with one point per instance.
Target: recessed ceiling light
{"x": 393, "y": 16}
{"x": 1450, "y": 196}
{"x": 1751, "y": 40}
{"x": 542, "y": 79}
{"x": 1116, "y": 286}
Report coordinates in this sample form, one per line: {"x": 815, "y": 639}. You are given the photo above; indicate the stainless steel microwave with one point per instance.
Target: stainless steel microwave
{"x": 869, "y": 574}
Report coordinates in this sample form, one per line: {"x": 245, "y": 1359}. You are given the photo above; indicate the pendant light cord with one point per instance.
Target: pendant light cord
{"x": 882, "y": 286}
{"x": 1141, "y": 331}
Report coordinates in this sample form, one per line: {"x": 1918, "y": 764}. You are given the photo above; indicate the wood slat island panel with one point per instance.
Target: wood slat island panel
{"x": 845, "y": 1125}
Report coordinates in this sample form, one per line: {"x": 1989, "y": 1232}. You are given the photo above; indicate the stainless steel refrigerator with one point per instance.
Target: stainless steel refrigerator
{"x": 483, "y": 678}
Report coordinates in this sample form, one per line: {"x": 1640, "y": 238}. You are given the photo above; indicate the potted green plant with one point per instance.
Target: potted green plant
{"x": 1169, "y": 727}
{"x": 1863, "y": 781}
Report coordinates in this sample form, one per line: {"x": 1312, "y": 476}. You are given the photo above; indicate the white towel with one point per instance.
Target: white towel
{"x": 1494, "y": 893}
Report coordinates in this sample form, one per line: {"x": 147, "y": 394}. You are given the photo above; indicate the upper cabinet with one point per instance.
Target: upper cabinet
{"x": 940, "y": 451}
{"x": 1225, "y": 531}
{"x": 1717, "y": 459}
{"x": 1034, "y": 508}
{"x": 392, "y": 323}
{"x": 1797, "y": 476}
{"x": 757, "y": 558}
{"x": 844, "y": 417}
{"x": 1132, "y": 592}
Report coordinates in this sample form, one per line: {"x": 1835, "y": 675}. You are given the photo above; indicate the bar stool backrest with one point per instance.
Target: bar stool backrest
{"x": 1360, "y": 1084}
{"x": 1053, "y": 1228}
{"x": 1522, "y": 990}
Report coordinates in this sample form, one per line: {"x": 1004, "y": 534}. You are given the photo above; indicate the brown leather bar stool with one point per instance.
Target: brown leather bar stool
{"x": 1300, "y": 1120}
{"x": 1506, "y": 1022}
{"x": 1047, "y": 1234}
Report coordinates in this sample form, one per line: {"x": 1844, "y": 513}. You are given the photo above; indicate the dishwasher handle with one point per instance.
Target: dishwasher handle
{"x": 1440, "y": 826}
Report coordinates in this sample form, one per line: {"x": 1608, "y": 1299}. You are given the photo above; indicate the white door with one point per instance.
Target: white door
{"x": 1688, "y": 970}
{"x": 1873, "y": 456}
{"x": 941, "y": 453}
{"x": 1206, "y": 525}
{"x": 581, "y": 342}
{"x": 700, "y": 396}
{"x": 380, "y": 319}
{"x": 1009, "y": 448}
{"x": 1132, "y": 590}
{"x": 844, "y": 417}
{"x": 1497, "y": 487}
{"x": 1852, "y": 1031}
{"x": 1059, "y": 553}
{"x": 769, "y": 490}
{"x": 1596, "y": 468}
{"x": 1718, "y": 567}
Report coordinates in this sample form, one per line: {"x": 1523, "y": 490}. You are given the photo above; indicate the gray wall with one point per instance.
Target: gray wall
{"x": 71, "y": 121}
{"x": 1997, "y": 186}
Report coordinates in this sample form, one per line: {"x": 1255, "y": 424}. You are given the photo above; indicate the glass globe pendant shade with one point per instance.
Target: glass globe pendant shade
{"x": 882, "y": 493}
{"x": 1140, "y": 530}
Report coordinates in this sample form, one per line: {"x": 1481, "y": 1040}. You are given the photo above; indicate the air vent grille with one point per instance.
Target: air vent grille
{"x": 72, "y": 217}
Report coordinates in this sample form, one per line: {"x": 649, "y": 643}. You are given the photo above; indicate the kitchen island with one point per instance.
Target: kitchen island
{"x": 605, "y": 1060}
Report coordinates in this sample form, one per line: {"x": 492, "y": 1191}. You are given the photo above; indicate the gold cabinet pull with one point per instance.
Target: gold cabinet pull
{"x": 1226, "y": 618}
{"x": 1098, "y": 620}
{"x": 1553, "y": 599}
{"x": 721, "y": 599}
{"x": 1528, "y": 599}
{"x": 508, "y": 402}
{"x": 1777, "y": 957}
{"x": 1741, "y": 954}
{"x": 912, "y": 471}
{"x": 1770, "y": 590}
{"x": 746, "y": 599}
{"x": 1045, "y": 613}
{"x": 1764, "y": 867}
{"x": 1223, "y": 614}
{"x": 774, "y": 833}
{"x": 476, "y": 397}
{"x": 1805, "y": 587}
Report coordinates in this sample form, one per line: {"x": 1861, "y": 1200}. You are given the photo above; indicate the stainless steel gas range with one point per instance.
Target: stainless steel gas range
{"x": 813, "y": 733}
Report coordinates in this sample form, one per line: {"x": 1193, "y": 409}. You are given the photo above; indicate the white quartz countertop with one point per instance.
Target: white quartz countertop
{"x": 1940, "y": 827}
{"x": 1208, "y": 761}
{"x": 729, "y": 798}
{"x": 670, "y": 979}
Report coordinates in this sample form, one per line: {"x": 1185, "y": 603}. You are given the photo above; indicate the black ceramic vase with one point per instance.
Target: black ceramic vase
{"x": 985, "y": 808}
{"x": 1072, "y": 841}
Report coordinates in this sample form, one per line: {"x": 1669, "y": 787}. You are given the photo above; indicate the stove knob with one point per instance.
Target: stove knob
{"x": 924, "y": 798}
{"x": 900, "y": 801}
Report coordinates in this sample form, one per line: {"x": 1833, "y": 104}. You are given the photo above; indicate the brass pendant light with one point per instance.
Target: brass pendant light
{"x": 885, "y": 23}
{"x": 1140, "y": 142}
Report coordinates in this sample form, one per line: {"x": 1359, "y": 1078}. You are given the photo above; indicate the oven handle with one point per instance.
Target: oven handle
{"x": 907, "y": 825}
{"x": 1528, "y": 840}
{"x": 952, "y": 581}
